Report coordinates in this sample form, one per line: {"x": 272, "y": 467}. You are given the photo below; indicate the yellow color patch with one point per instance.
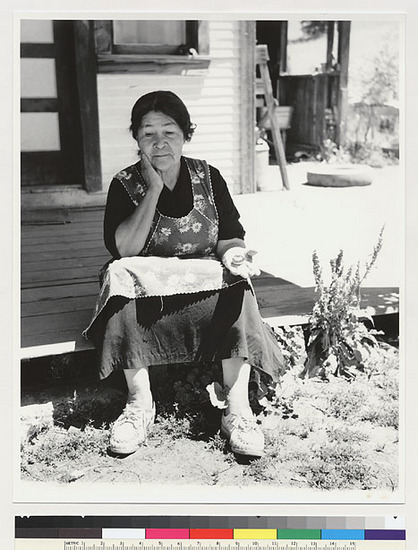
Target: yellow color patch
{"x": 255, "y": 534}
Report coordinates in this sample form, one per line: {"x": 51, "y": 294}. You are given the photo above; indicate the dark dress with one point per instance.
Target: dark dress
{"x": 184, "y": 326}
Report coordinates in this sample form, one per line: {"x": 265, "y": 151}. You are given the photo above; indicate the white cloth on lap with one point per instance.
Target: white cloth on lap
{"x": 138, "y": 277}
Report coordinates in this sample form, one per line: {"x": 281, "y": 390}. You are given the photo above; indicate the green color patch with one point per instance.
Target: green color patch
{"x": 299, "y": 534}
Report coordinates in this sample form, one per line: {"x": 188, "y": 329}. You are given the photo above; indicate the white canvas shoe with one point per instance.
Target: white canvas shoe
{"x": 131, "y": 429}
{"x": 244, "y": 435}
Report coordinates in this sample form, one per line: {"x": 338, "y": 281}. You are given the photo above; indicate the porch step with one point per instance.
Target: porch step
{"x": 60, "y": 196}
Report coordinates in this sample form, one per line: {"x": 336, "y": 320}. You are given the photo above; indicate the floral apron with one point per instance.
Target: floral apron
{"x": 179, "y": 254}
{"x": 195, "y": 234}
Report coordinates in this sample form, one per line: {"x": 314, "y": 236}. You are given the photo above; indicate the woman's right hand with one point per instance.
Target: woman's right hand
{"x": 152, "y": 178}
{"x": 131, "y": 234}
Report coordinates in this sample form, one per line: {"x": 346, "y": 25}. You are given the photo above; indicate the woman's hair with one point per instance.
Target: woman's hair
{"x": 164, "y": 102}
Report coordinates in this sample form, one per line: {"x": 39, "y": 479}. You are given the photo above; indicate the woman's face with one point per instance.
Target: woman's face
{"x": 161, "y": 139}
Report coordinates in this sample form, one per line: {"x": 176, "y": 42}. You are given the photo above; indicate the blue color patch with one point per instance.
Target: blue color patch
{"x": 342, "y": 534}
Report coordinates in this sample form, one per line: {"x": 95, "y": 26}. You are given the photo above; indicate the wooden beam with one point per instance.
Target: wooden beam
{"x": 145, "y": 63}
{"x": 344, "y": 28}
{"x": 330, "y": 43}
{"x": 37, "y": 50}
{"x": 39, "y": 105}
{"x": 192, "y": 34}
{"x": 203, "y": 38}
{"x": 85, "y": 57}
{"x": 67, "y": 344}
{"x": 261, "y": 59}
{"x": 283, "y": 47}
{"x": 103, "y": 36}
{"x": 147, "y": 49}
{"x": 247, "y": 111}
{"x": 68, "y": 105}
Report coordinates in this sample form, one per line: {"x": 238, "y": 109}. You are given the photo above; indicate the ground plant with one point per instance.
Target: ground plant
{"x": 340, "y": 343}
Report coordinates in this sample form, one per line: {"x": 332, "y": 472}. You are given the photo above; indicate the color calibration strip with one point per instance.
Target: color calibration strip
{"x": 243, "y": 530}
{"x": 214, "y": 534}
{"x": 208, "y": 522}
{"x": 264, "y": 534}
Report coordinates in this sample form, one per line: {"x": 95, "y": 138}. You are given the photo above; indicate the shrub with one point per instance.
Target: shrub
{"x": 339, "y": 342}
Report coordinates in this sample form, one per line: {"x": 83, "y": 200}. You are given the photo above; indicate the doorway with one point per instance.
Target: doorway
{"x": 51, "y": 150}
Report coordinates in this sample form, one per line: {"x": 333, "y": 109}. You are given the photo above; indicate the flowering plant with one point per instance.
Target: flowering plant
{"x": 339, "y": 342}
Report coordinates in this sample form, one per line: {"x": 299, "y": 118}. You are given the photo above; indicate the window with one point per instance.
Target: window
{"x": 166, "y": 37}
{"x": 129, "y": 44}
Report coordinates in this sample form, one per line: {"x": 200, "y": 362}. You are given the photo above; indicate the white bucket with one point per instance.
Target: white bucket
{"x": 262, "y": 164}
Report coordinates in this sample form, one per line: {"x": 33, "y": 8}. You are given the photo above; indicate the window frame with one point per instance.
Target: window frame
{"x": 151, "y": 57}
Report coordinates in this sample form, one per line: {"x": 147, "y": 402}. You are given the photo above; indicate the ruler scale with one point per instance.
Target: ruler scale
{"x": 56, "y": 544}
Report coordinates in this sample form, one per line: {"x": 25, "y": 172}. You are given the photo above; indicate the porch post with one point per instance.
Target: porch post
{"x": 85, "y": 57}
{"x": 344, "y": 28}
{"x": 247, "y": 109}
{"x": 330, "y": 43}
{"x": 283, "y": 49}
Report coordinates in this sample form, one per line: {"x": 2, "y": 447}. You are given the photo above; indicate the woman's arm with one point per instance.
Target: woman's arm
{"x": 229, "y": 224}
{"x": 231, "y": 248}
{"x": 226, "y": 244}
{"x": 132, "y": 233}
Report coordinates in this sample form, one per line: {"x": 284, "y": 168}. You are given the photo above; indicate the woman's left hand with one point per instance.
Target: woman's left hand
{"x": 239, "y": 261}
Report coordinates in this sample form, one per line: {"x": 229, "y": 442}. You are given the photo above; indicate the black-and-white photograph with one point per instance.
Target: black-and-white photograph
{"x": 212, "y": 257}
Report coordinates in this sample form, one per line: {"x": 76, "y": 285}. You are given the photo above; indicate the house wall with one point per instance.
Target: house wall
{"x": 215, "y": 98}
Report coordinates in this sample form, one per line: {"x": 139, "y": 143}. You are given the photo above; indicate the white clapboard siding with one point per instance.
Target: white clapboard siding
{"x": 213, "y": 98}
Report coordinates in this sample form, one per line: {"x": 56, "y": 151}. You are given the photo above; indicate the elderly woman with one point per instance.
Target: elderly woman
{"x": 178, "y": 289}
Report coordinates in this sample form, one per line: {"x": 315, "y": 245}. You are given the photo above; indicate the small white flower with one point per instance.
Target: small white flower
{"x": 183, "y": 225}
{"x": 186, "y": 248}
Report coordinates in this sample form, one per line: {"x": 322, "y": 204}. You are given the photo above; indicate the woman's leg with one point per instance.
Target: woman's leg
{"x": 238, "y": 423}
{"x": 139, "y": 388}
{"x": 236, "y": 375}
{"x": 132, "y": 427}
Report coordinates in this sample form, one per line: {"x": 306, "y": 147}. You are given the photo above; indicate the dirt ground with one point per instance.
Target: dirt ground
{"x": 319, "y": 435}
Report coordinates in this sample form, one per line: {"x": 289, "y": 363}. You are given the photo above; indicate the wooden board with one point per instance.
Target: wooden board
{"x": 60, "y": 263}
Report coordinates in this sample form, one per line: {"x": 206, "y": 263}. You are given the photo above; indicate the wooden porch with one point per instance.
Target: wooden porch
{"x": 62, "y": 252}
